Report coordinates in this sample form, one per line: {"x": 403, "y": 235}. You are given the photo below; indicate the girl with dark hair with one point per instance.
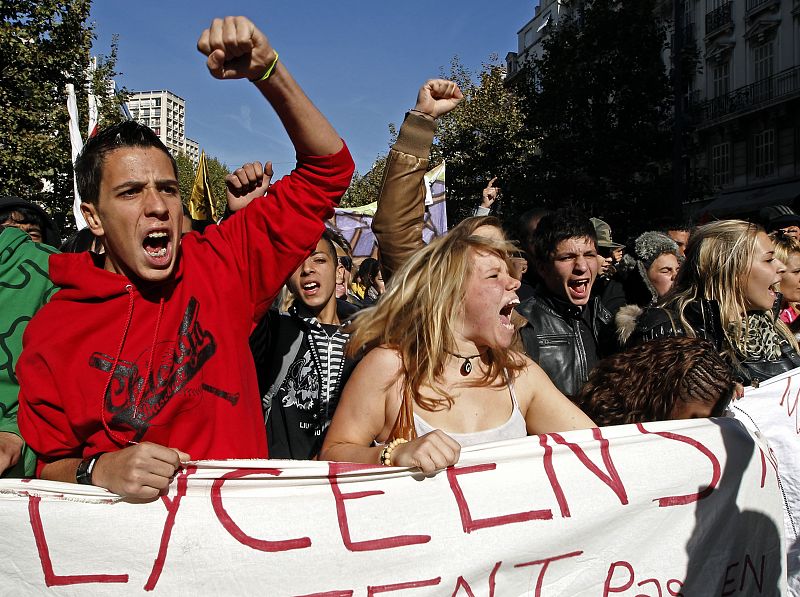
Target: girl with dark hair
{"x": 368, "y": 286}
{"x": 693, "y": 381}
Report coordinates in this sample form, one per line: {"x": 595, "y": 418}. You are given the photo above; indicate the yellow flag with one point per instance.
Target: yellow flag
{"x": 201, "y": 203}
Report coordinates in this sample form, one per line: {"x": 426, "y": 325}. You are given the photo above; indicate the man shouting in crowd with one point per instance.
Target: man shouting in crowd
{"x": 141, "y": 361}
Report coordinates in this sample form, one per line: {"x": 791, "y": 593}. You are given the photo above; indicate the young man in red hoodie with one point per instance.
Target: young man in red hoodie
{"x": 141, "y": 361}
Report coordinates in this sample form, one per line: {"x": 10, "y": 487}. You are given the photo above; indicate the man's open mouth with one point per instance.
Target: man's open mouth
{"x": 156, "y": 244}
{"x": 579, "y": 288}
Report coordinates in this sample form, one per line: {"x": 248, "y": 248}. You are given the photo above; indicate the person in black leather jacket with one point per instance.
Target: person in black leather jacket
{"x": 725, "y": 293}
{"x": 566, "y": 332}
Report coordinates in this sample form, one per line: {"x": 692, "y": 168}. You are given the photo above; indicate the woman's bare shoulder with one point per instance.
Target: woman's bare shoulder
{"x": 531, "y": 378}
{"x": 383, "y": 356}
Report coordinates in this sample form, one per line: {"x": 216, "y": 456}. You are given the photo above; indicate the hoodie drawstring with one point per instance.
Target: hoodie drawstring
{"x": 150, "y": 360}
{"x": 113, "y": 435}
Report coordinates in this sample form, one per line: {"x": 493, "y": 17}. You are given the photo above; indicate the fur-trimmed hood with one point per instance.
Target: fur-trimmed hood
{"x": 625, "y": 320}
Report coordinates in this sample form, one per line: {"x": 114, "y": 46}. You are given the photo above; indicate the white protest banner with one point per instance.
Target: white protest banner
{"x": 772, "y": 411}
{"x": 673, "y": 508}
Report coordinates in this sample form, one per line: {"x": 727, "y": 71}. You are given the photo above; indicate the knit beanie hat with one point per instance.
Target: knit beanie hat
{"x": 650, "y": 245}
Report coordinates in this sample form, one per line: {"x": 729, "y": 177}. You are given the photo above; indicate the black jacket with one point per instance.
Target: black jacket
{"x": 553, "y": 339}
{"x": 704, "y": 317}
{"x": 292, "y": 384}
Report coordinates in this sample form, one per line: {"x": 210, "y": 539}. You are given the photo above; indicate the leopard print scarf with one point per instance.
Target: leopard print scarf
{"x": 761, "y": 340}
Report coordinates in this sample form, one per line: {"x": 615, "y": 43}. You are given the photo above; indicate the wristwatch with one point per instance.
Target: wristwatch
{"x": 84, "y": 473}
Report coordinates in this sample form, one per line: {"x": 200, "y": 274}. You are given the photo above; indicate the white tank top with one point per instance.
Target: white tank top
{"x": 513, "y": 428}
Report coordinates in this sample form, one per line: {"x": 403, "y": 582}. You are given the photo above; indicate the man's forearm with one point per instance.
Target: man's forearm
{"x": 309, "y": 130}
{"x": 61, "y": 470}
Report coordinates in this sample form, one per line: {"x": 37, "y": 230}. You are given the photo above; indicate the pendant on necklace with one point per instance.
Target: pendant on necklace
{"x": 466, "y": 366}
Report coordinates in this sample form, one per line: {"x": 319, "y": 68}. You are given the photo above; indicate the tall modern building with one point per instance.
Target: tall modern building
{"x": 193, "y": 150}
{"x": 165, "y": 113}
{"x": 742, "y": 101}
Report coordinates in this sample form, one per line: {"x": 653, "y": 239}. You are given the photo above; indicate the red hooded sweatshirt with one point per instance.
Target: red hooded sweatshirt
{"x": 106, "y": 362}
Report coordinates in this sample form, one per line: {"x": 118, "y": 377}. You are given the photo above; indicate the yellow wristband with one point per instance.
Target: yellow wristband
{"x": 267, "y": 74}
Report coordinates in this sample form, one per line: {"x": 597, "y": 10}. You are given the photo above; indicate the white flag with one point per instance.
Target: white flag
{"x": 436, "y": 174}
{"x": 93, "y": 112}
{"x": 77, "y": 144}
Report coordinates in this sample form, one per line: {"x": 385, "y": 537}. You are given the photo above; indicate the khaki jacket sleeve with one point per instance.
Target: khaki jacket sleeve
{"x": 400, "y": 215}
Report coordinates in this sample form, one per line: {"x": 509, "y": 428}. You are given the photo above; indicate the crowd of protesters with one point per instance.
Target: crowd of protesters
{"x": 146, "y": 344}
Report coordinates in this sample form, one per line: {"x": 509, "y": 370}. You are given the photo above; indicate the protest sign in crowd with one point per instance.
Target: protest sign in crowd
{"x": 150, "y": 371}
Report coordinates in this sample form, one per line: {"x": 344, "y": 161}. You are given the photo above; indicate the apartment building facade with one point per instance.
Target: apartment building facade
{"x": 742, "y": 99}
{"x": 745, "y": 101}
{"x": 193, "y": 150}
{"x": 547, "y": 13}
{"x": 165, "y": 113}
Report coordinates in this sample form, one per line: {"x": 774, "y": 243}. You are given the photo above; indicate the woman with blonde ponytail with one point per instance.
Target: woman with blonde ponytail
{"x": 441, "y": 368}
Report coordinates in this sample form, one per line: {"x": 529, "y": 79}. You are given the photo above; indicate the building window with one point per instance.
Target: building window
{"x": 764, "y": 153}
{"x": 763, "y": 61}
{"x": 722, "y": 79}
{"x": 721, "y": 164}
{"x": 528, "y": 39}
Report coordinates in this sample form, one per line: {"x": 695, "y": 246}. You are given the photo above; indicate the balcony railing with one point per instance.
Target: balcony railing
{"x": 754, "y": 4}
{"x": 751, "y": 96}
{"x": 719, "y": 18}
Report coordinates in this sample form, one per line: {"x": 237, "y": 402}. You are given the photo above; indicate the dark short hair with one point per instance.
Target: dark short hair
{"x": 328, "y": 237}
{"x": 89, "y": 165}
{"x": 28, "y": 215}
{"x": 339, "y": 240}
{"x": 558, "y": 226}
{"x": 523, "y": 232}
{"x": 82, "y": 240}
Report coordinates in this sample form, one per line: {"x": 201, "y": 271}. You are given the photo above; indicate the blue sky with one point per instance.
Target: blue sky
{"x": 360, "y": 62}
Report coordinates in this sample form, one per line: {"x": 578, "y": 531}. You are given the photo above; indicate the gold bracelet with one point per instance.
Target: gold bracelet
{"x": 386, "y": 453}
{"x": 267, "y": 74}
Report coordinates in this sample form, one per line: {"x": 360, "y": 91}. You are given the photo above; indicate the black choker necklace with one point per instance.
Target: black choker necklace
{"x": 466, "y": 366}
